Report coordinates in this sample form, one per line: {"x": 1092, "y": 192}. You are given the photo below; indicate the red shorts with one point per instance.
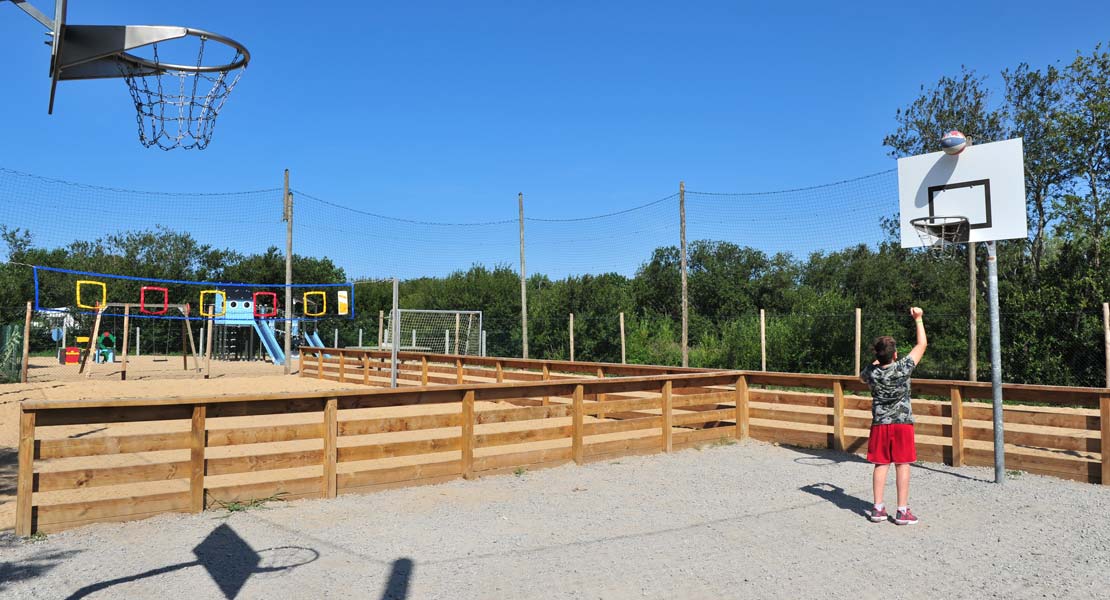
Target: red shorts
{"x": 891, "y": 444}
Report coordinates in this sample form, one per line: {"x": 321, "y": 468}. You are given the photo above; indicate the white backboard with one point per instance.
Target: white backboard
{"x": 985, "y": 183}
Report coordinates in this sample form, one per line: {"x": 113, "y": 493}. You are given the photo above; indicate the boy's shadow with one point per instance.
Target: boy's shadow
{"x": 836, "y": 495}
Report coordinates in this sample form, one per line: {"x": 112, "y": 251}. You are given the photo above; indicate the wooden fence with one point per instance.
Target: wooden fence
{"x": 111, "y": 460}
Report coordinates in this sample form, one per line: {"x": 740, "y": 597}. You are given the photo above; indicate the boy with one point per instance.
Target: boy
{"x": 891, "y": 438}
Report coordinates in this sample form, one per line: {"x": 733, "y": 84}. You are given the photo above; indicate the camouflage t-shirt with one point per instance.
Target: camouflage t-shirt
{"x": 890, "y": 391}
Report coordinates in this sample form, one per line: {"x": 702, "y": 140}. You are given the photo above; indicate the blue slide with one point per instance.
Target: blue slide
{"x": 273, "y": 348}
{"x": 314, "y": 339}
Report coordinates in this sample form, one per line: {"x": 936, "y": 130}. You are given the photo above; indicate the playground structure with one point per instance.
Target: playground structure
{"x": 460, "y": 416}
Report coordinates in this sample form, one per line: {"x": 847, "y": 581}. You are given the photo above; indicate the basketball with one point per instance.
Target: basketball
{"x": 953, "y": 142}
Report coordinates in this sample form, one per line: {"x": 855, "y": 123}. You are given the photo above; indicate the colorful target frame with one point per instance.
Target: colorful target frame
{"x": 165, "y": 300}
{"x": 213, "y": 313}
{"x": 324, "y": 304}
{"x": 103, "y": 294}
{"x": 254, "y": 304}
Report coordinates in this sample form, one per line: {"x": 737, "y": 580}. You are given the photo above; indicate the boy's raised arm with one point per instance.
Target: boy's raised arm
{"x": 919, "y": 348}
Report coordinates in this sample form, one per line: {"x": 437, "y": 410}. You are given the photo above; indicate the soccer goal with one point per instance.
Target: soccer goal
{"x": 437, "y": 331}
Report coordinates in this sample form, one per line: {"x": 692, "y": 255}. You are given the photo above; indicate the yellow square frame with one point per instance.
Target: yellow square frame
{"x": 223, "y": 303}
{"x": 103, "y": 294}
{"x": 323, "y": 311}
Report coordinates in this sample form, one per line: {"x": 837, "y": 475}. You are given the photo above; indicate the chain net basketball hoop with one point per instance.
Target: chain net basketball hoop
{"x": 177, "y": 104}
{"x": 940, "y": 235}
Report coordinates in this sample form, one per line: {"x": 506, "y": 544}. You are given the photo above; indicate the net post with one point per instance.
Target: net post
{"x": 623, "y": 361}
{"x": 996, "y": 365}
{"x": 859, "y": 337}
{"x": 571, "y": 337}
{"x": 685, "y": 305}
{"x": 26, "y": 345}
{"x": 395, "y": 333}
{"x": 287, "y": 205}
{"x": 523, "y": 284}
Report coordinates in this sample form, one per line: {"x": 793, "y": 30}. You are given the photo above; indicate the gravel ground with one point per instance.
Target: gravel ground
{"x": 747, "y": 520}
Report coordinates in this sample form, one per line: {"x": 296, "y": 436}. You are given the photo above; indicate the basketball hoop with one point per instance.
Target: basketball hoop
{"x": 941, "y": 234}
{"x": 176, "y": 105}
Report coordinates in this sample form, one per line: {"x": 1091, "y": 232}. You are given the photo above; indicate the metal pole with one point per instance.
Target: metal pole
{"x": 27, "y": 346}
{"x": 456, "y": 333}
{"x": 287, "y": 200}
{"x": 685, "y": 306}
{"x": 447, "y": 341}
{"x": 523, "y": 285}
{"x": 973, "y": 316}
{"x": 381, "y": 328}
{"x": 623, "y": 361}
{"x": 762, "y": 339}
{"x": 138, "y": 341}
{"x": 996, "y": 364}
{"x": 126, "y": 339}
{"x": 335, "y": 344}
{"x": 483, "y": 342}
{"x": 395, "y": 334}
{"x": 359, "y": 337}
{"x": 208, "y": 350}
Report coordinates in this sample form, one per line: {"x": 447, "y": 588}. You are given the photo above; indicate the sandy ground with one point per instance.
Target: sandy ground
{"x": 751, "y": 520}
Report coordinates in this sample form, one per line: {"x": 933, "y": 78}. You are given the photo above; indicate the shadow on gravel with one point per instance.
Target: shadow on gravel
{"x": 229, "y": 560}
{"x": 31, "y": 567}
{"x": 836, "y": 495}
{"x": 397, "y": 588}
{"x": 818, "y": 457}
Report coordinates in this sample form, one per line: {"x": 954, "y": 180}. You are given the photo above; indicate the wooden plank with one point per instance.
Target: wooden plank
{"x": 605, "y": 427}
{"x": 268, "y": 461}
{"x": 792, "y": 416}
{"x": 391, "y": 424}
{"x": 615, "y": 406}
{"x": 710, "y": 398}
{"x": 704, "y": 435}
{"x": 503, "y": 438}
{"x": 265, "y": 435}
{"x": 197, "y": 442}
{"x": 381, "y": 487}
{"x": 391, "y": 450}
{"x": 668, "y": 417}
{"x": 532, "y": 413}
{"x": 331, "y": 434}
{"x": 706, "y": 416}
{"x": 577, "y": 417}
{"x": 86, "y": 416}
{"x": 652, "y": 443}
{"x": 467, "y": 441}
{"x": 1104, "y": 437}
{"x": 57, "y": 517}
{"x": 838, "y": 416}
{"x": 266, "y": 407}
{"x": 957, "y": 427}
{"x": 49, "y": 481}
{"x": 285, "y": 489}
{"x": 348, "y": 481}
{"x": 124, "y": 444}
{"x": 522, "y": 459}
{"x": 25, "y": 479}
{"x": 742, "y": 408}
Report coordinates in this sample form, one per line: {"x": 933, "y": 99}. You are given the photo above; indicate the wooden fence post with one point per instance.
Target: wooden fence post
{"x": 742, "y": 419}
{"x": 859, "y": 337}
{"x": 24, "y": 523}
{"x": 762, "y": 339}
{"x": 571, "y": 337}
{"x": 623, "y": 361}
{"x": 468, "y": 435}
{"x": 198, "y": 439}
{"x": 576, "y": 426}
{"x": 423, "y": 370}
{"x": 546, "y": 377}
{"x": 319, "y": 364}
{"x": 300, "y": 364}
{"x": 1104, "y": 425}
{"x": 365, "y": 368}
{"x": 667, "y": 416}
{"x": 331, "y": 437}
{"x": 459, "y": 376}
{"x": 600, "y": 397}
{"x": 26, "y": 346}
{"x": 500, "y": 373}
{"x": 838, "y": 416}
{"x": 342, "y": 362}
{"x": 957, "y": 427}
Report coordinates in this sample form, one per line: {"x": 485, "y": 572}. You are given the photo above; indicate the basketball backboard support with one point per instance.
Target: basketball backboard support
{"x": 984, "y": 183}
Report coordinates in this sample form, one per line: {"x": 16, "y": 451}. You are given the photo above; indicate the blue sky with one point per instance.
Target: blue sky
{"x": 445, "y": 110}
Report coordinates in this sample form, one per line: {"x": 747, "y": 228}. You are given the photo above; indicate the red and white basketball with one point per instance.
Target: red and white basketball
{"x": 953, "y": 142}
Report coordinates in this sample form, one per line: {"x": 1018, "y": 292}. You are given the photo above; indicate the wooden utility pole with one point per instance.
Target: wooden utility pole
{"x": 973, "y": 317}
{"x": 685, "y": 306}
{"x": 127, "y": 339}
{"x": 623, "y": 361}
{"x": 26, "y": 345}
{"x": 1106, "y": 345}
{"x": 287, "y": 203}
{"x": 523, "y": 283}
{"x": 571, "y": 337}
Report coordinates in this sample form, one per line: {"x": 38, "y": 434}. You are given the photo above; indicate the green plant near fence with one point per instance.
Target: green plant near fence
{"x": 11, "y": 352}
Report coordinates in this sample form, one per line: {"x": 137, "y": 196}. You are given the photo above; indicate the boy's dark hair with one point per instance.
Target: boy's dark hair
{"x": 884, "y": 349}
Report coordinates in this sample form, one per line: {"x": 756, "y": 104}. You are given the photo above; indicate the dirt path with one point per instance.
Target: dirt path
{"x": 750, "y": 520}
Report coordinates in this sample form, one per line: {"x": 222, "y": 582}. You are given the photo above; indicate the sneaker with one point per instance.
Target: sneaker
{"x": 877, "y": 515}
{"x": 905, "y": 517}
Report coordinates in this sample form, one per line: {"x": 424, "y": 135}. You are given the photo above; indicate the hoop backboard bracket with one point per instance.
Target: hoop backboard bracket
{"x": 984, "y": 184}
